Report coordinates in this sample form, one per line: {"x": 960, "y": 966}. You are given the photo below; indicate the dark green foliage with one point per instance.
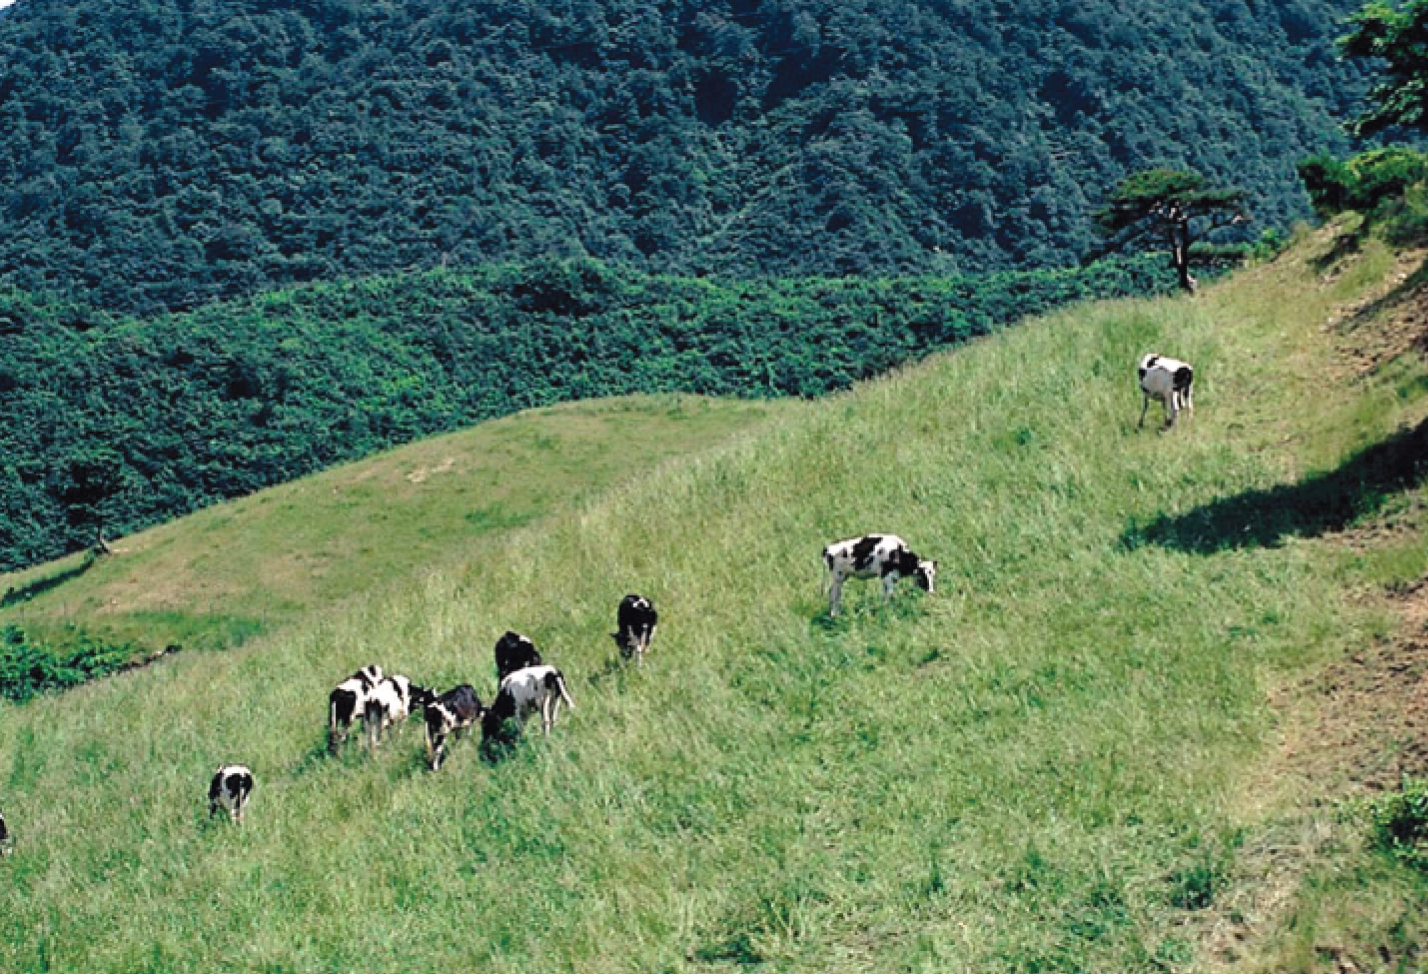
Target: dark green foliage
{"x": 1394, "y": 39}
{"x": 1400, "y": 822}
{"x": 1169, "y": 209}
{"x": 161, "y": 154}
{"x": 142, "y": 420}
{"x": 1388, "y": 186}
{"x": 27, "y": 668}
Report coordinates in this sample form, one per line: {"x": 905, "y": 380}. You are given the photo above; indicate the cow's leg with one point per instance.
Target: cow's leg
{"x": 334, "y": 734}
{"x": 1144, "y": 406}
{"x": 889, "y": 581}
{"x": 835, "y": 594}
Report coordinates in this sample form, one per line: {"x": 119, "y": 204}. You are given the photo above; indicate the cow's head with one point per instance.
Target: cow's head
{"x": 924, "y": 574}
{"x": 422, "y": 697}
{"x": 1147, "y": 362}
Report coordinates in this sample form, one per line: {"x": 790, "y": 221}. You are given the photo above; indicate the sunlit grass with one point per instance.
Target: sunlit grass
{"x": 1034, "y": 769}
{"x": 253, "y": 565}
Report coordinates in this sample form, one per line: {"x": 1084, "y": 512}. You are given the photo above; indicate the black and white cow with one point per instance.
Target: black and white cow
{"x": 514, "y": 652}
{"x": 229, "y": 789}
{"x": 348, "y": 701}
{"x": 389, "y": 703}
{"x": 535, "y": 689}
{"x": 449, "y": 715}
{"x": 636, "y": 619}
{"x": 1170, "y": 381}
{"x": 884, "y": 556}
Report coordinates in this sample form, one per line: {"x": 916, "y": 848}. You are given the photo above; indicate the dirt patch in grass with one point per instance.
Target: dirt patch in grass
{"x": 1369, "y": 724}
{"x": 1350, "y": 730}
{"x": 1389, "y": 322}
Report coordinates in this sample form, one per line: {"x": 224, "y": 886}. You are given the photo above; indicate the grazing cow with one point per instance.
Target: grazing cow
{"x": 524, "y": 692}
{"x": 389, "y": 703}
{"x": 1169, "y": 380}
{"x": 229, "y": 789}
{"x": 514, "y": 652}
{"x": 347, "y": 702}
{"x": 449, "y": 714}
{"x": 884, "y": 556}
{"x": 636, "y": 619}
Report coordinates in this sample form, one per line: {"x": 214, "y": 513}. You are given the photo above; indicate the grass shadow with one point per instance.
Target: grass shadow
{"x": 1320, "y": 504}
{"x": 24, "y": 593}
{"x": 1407, "y": 292}
{"x": 1345, "y": 244}
{"x": 612, "y": 669}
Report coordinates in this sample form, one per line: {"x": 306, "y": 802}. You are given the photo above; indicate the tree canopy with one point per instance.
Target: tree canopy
{"x": 160, "y": 154}
{"x": 118, "y": 423}
{"x": 1398, "y": 40}
{"x": 1165, "y": 207}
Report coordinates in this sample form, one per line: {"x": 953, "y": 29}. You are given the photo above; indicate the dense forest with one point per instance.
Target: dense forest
{"x": 119, "y": 422}
{"x": 156, "y": 155}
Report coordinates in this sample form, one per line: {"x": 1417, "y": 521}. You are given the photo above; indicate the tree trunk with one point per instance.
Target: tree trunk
{"x": 1180, "y": 255}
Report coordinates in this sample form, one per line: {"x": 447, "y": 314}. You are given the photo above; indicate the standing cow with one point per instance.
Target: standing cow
{"x": 348, "y": 701}
{"x": 884, "y": 556}
{"x": 1170, "y": 381}
{"x": 229, "y": 789}
{"x": 636, "y": 619}
{"x": 514, "y": 652}
{"x": 535, "y": 689}
{"x": 389, "y": 703}
{"x": 449, "y": 715}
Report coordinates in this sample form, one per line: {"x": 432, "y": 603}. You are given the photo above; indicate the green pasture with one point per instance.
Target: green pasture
{"x": 1042, "y": 767}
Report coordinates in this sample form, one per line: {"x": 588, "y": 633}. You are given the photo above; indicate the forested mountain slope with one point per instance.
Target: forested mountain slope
{"x": 161, "y": 153}
{"x": 118, "y": 422}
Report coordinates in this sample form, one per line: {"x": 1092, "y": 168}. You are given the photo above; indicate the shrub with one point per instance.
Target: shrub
{"x": 1400, "y": 822}
{"x": 1385, "y": 185}
{"x": 27, "y": 668}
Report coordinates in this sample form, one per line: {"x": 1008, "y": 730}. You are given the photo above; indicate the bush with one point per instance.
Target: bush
{"x": 1385, "y": 185}
{"x": 27, "y": 669}
{"x": 1400, "y": 822}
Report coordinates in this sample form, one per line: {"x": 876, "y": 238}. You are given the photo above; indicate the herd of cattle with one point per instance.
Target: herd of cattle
{"x": 527, "y": 685}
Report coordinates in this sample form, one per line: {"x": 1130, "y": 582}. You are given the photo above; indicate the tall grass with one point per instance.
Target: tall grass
{"x": 1029, "y": 770}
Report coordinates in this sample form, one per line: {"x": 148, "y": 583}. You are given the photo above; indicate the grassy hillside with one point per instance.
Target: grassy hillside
{"x": 1064, "y": 760}
{"x": 253, "y": 565}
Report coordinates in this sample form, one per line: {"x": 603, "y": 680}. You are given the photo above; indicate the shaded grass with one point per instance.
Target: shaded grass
{"x": 1330, "y": 501}
{"x": 1034, "y": 769}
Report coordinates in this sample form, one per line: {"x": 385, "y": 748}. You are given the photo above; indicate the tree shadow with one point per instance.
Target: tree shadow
{"x": 1345, "y": 244}
{"x": 1323, "y": 503}
{"x": 24, "y": 593}
{"x": 1406, "y": 292}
